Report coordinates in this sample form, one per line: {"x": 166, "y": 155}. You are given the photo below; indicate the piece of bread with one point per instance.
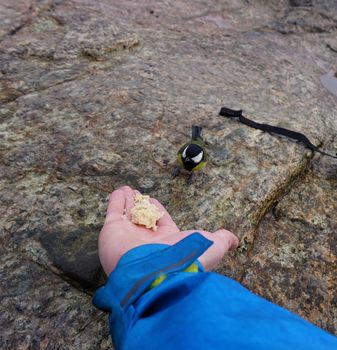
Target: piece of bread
{"x": 145, "y": 213}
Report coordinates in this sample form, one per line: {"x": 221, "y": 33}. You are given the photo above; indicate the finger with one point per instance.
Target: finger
{"x": 166, "y": 219}
{"x": 116, "y": 205}
{"x": 223, "y": 242}
{"x": 212, "y": 256}
{"x": 129, "y": 199}
{"x": 229, "y": 239}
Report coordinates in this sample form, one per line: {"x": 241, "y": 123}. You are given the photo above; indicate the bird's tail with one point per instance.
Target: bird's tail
{"x": 196, "y": 132}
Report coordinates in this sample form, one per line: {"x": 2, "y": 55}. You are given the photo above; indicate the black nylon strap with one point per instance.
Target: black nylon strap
{"x": 231, "y": 113}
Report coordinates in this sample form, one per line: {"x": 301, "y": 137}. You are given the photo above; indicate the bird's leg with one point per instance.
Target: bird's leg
{"x": 176, "y": 172}
{"x": 190, "y": 177}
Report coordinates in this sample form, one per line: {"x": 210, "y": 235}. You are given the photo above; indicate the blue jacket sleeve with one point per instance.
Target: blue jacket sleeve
{"x": 201, "y": 310}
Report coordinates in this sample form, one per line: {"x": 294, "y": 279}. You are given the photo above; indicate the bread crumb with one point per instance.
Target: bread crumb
{"x": 145, "y": 213}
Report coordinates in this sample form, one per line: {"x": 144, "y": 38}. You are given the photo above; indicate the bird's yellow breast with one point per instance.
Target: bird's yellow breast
{"x": 180, "y": 159}
{"x": 199, "y": 166}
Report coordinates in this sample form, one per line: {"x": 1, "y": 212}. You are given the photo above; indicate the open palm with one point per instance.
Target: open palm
{"x": 119, "y": 234}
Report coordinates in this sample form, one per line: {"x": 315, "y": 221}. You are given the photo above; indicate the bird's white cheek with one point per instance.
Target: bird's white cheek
{"x": 197, "y": 159}
{"x": 184, "y": 153}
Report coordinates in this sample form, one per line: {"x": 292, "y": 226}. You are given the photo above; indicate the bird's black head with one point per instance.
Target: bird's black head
{"x": 192, "y": 156}
{"x": 192, "y": 151}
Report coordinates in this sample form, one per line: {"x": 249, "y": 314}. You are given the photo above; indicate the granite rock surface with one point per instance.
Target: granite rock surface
{"x": 99, "y": 94}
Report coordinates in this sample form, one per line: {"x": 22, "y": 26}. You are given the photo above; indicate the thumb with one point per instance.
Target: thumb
{"x": 223, "y": 242}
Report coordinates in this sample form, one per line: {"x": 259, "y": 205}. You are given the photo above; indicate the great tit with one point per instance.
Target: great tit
{"x": 192, "y": 155}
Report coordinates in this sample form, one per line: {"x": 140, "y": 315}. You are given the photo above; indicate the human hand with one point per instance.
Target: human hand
{"x": 119, "y": 234}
